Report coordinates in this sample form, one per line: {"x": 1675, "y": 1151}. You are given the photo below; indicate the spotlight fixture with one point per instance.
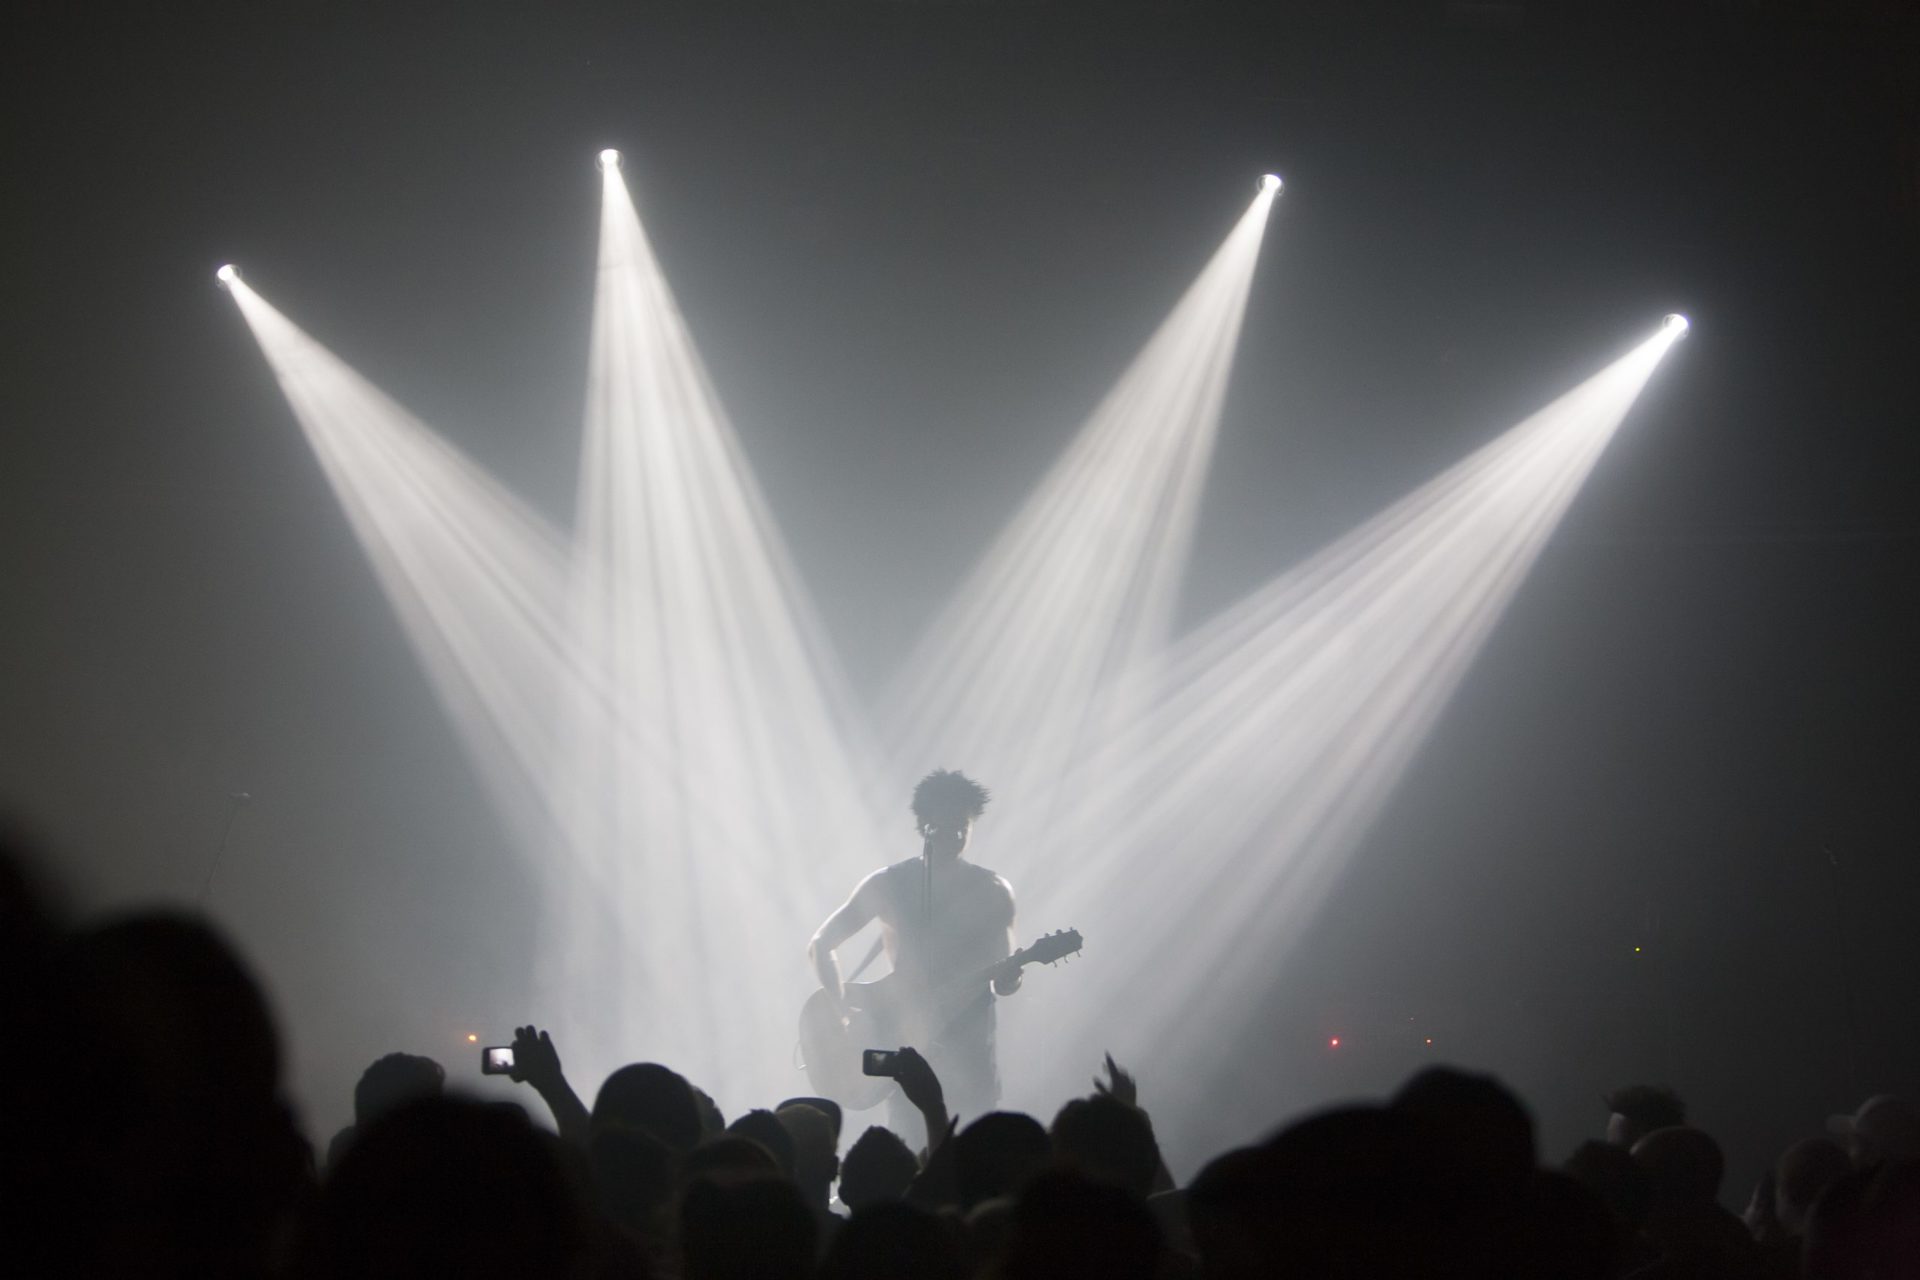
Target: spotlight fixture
{"x": 227, "y": 274}
{"x": 1677, "y": 323}
{"x": 609, "y": 160}
{"x": 1271, "y": 182}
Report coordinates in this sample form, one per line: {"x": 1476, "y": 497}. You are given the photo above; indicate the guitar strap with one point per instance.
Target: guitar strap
{"x": 873, "y": 953}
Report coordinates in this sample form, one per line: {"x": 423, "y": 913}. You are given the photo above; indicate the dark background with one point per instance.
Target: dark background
{"x": 915, "y": 242}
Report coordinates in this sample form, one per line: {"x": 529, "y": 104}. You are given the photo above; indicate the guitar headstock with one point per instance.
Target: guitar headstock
{"x": 1051, "y": 947}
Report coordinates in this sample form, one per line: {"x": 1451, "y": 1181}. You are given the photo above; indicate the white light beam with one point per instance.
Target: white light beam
{"x": 683, "y": 595}
{"x": 1019, "y": 672}
{"x": 1208, "y": 834}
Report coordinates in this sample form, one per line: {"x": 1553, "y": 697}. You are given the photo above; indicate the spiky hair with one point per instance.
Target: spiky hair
{"x": 947, "y": 791}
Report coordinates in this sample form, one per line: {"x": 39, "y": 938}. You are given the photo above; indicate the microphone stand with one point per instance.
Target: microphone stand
{"x": 926, "y": 887}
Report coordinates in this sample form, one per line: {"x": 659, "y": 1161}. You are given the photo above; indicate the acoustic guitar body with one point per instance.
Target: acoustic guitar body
{"x": 831, "y": 1052}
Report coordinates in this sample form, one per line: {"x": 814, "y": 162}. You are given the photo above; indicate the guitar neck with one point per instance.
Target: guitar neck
{"x": 1053, "y": 946}
{"x": 1026, "y": 956}
{"x": 986, "y": 975}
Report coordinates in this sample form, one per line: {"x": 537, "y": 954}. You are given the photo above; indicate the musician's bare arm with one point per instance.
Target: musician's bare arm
{"x": 848, "y": 920}
{"x": 1009, "y": 982}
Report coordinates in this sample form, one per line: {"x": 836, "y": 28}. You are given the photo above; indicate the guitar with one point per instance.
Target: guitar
{"x": 889, "y": 1012}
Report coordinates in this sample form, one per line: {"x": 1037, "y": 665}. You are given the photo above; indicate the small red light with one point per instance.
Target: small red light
{"x": 1334, "y": 1043}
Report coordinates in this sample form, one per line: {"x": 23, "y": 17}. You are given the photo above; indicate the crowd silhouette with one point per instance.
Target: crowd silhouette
{"x": 146, "y": 1133}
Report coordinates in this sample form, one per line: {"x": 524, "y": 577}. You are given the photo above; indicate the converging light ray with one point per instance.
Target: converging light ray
{"x": 683, "y": 595}
{"x": 1212, "y": 829}
{"x": 1019, "y": 672}
{"x": 478, "y": 579}
{"x": 482, "y": 586}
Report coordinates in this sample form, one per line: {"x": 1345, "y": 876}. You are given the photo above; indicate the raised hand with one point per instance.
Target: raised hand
{"x": 535, "y": 1060}
{"x": 920, "y": 1084}
{"x": 1119, "y": 1085}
